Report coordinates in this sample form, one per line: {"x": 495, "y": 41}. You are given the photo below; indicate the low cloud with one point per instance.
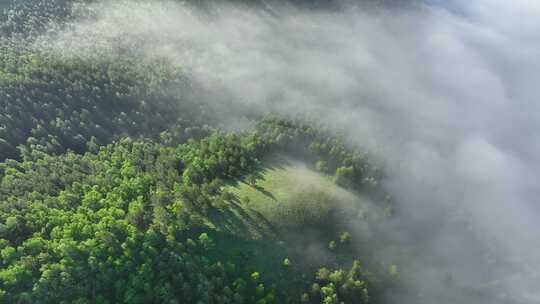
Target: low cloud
{"x": 445, "y": 95}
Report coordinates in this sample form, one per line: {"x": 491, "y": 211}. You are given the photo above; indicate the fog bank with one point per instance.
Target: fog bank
{"x": 444, "y": 95}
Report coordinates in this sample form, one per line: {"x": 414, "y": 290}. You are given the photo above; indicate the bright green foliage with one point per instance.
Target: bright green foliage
{"x": 339, "y": 286}
{"x": 332, "y": 245}
{"x": 120, "y": 226}
{"x": 113, "y": 186}
{"x": 344, "y": 237}
{"x": 286, "y": 262}
{"x": 100, "y": 237}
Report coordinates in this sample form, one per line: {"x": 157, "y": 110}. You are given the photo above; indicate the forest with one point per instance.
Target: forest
{"x": 112, "y": 186}
{"x": 120, "y": 182}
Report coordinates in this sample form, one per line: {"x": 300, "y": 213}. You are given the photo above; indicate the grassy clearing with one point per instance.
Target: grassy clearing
{"x": 296, "y": 208}
{"x": 288, "y": 194}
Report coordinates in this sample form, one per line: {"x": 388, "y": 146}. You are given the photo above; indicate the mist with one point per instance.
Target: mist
{"x": 444, "y": 95}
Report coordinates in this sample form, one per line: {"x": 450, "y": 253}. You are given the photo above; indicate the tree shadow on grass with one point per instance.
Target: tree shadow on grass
{"x": 256, "y": 219}
{"x": 267, "y": 164}
{"x": 227, "y": 221}
{"x": 265, "y": 192}
{"x": 235, "y": 219}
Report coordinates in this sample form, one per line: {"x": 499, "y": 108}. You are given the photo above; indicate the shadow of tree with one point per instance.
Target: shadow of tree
{"x": 271, "y": 163}
{"x": 227, "y": 221}
{"x": 265, "y": 192}
{"x": 238, "y": 219}
{"x": 235, "y": 219}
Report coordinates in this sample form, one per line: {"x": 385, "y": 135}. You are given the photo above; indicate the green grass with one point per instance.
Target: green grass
{"x": 288, "y": 195}
{"x": 291, "y": 209}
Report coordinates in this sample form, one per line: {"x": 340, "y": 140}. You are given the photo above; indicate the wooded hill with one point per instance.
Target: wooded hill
{"x": 119, "y": 185}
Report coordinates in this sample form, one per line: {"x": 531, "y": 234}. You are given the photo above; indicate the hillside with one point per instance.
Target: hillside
{"x": 133, "y": 171}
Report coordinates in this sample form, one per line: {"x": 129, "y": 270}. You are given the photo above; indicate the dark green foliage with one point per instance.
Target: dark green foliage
{"x": 52, "y": 104}
{"x": 28, "y": 18}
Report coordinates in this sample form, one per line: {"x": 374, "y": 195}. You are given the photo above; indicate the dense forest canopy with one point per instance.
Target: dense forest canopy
{"x": 112, "y": 186}
{"x": 136, "y": 208}
{"x": 125, "y": 179}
